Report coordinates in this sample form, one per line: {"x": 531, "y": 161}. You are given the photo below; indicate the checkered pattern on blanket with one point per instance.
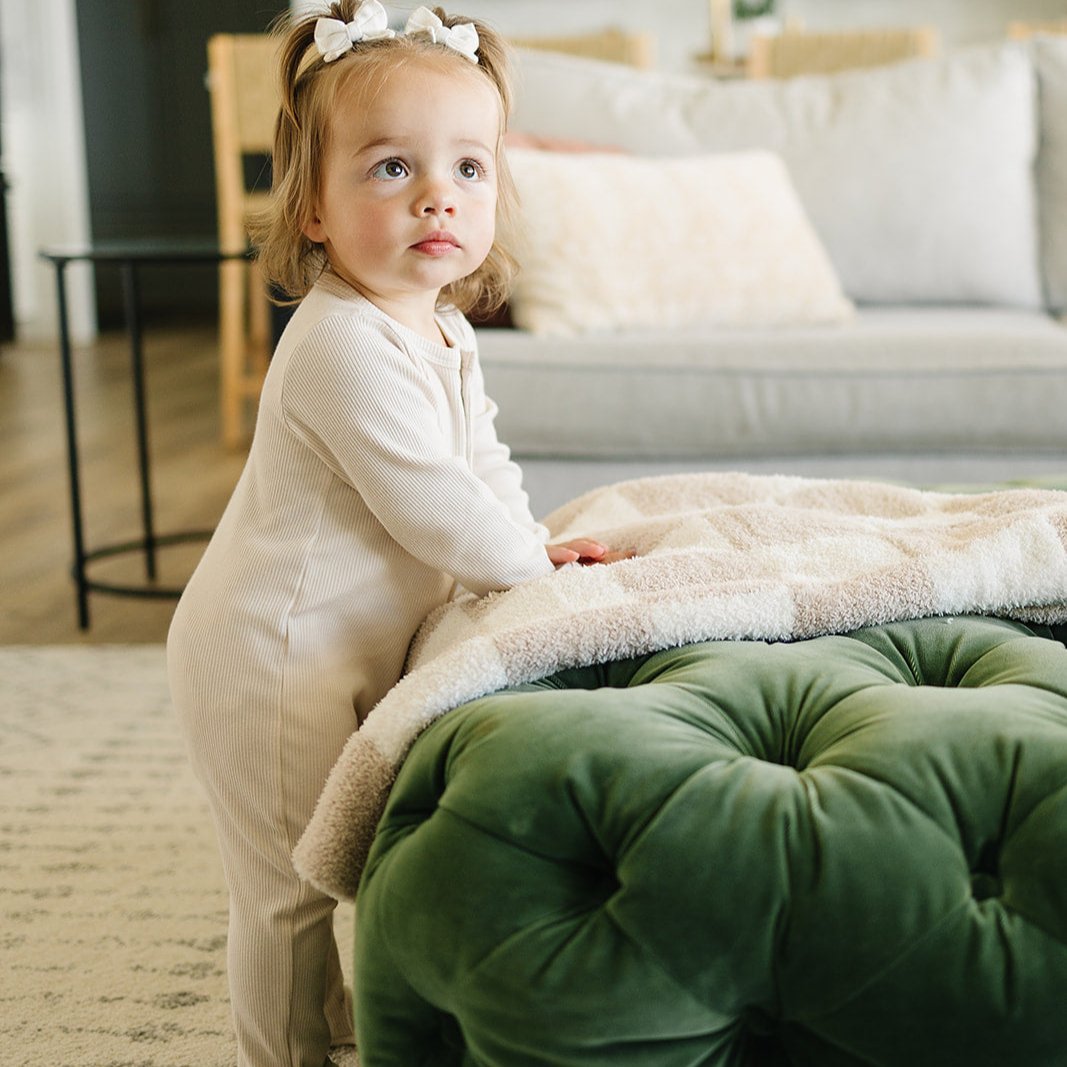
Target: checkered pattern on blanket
{"x": 719, "y": 556}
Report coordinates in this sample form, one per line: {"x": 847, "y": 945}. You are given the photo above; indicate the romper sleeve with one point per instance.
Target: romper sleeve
{"x": 365, "y": 406}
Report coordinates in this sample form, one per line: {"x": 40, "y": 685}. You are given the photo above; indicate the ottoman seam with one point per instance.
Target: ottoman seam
{"x": 860, "y": 989}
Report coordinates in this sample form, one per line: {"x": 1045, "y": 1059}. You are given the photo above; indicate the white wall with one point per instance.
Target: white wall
{"x": 44, "y": 161}
{"x": 680, "y": 26}
{"x": 683, "y": 26}
{"x": 960, "y": 21}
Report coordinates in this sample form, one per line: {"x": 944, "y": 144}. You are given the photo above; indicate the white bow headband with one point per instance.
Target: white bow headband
{"x": 333, "y": 37}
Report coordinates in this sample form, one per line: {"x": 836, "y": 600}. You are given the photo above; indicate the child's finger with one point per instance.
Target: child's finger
{"x": 560, "y": 554}
{"x": 587, "y": 547}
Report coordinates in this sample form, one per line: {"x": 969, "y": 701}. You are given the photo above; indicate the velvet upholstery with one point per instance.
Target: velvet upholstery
{"x": 844, "y": 851}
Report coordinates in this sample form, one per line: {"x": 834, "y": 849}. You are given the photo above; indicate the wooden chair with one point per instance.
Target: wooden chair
{"x": 793, "y": 53}
{"x": 635, "y": 49}
{"x": 244, "y": 103}
{"x": 1020, "y": 31}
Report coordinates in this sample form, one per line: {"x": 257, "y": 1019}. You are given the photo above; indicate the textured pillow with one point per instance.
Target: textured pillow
{"x": 918, "y": 177}
{"x": 608, "y": 241}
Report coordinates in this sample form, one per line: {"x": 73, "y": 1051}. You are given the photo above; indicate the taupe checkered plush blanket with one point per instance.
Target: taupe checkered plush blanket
{"x": 720, "y": 556}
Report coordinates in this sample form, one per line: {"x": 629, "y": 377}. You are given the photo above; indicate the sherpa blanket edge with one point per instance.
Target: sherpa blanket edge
{"x": 722, "y": 556}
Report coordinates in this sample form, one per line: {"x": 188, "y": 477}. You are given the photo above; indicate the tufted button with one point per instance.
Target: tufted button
{"x": 985, "y": 877}
{"x": 984, "y": 886}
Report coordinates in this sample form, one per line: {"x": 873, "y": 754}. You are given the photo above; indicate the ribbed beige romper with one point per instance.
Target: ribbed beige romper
{"x": 375, "y": 481}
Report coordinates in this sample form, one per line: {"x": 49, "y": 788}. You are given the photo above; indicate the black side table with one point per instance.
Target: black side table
{"x": 128, "y": 257}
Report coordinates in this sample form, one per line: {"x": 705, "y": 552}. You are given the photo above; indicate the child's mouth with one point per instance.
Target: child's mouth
{"x": 436, "y": 244}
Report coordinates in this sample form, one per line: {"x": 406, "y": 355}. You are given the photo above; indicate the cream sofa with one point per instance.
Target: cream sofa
{"x": 938, "y": 189}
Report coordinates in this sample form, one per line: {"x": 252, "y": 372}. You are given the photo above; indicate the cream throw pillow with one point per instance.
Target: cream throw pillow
{"x": 610, "y": 241}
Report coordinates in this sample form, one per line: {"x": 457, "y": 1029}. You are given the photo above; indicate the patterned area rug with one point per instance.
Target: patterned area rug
{"x": 112, "y": 904}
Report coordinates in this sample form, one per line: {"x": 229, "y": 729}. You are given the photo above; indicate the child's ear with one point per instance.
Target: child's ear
{"x": 314, "y": 228}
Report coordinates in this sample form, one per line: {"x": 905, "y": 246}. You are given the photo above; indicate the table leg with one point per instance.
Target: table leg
{"x": 133, "y": 324}
{"x": 73, "y": 469}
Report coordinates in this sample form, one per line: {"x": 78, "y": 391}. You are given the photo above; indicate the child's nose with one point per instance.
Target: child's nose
{"x": 436, "y": 199}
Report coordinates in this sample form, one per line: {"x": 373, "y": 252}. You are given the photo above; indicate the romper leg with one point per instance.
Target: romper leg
{"x": 284, "y": 972}
{"x": 263, "y": 767}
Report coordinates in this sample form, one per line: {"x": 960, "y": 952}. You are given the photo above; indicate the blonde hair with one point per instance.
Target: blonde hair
{"x": 309, "y": 90}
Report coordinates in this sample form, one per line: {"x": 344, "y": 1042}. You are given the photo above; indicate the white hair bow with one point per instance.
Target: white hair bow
{"x": 333, "y": 37}
{"x": 463, "y": 37}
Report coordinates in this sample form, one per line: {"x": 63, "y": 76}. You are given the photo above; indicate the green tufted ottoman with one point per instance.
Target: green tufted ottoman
{"x": 842, "y": 851}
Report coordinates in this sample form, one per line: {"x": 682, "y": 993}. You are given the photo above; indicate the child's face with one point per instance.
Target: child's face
{"x": 408, "y": 196}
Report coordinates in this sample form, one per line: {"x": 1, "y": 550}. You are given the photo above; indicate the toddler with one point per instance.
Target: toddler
{"x": 375, "y": 483}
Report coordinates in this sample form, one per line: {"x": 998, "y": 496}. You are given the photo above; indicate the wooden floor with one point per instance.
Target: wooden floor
{"x": 192, "y": 480}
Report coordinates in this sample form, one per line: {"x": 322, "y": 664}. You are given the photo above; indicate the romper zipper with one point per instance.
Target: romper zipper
{"x": 464, "y": 402}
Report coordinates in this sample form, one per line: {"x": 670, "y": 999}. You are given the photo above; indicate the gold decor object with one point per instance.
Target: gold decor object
{"x": 1020, "y": 31}
{"x": 793, "y": 53}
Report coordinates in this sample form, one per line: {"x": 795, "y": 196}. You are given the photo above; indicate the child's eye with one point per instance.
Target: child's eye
{"x": 389, "y": 170}
{"x": 469, "y": 169}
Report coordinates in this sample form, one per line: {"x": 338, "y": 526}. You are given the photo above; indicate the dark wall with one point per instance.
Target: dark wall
{"x": 7, "y": 310}
{"x": 148, "y": 134}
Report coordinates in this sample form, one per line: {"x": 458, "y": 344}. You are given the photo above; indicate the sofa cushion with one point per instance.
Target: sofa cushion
{"x": 845, "y": 851}
{"x": 1051, "y": 55}
{"x": 918, "y": 177}
{"x": 612, "y": 241}
{"x": 891, "y": 379}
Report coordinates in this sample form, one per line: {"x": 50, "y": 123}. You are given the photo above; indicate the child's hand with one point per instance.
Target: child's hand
{"x": 572, "y": 551}
{"x": 584, "y": 550}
